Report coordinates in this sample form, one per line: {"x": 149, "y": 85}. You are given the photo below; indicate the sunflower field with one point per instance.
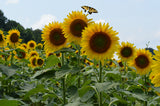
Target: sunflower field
{"x": 76, "y": 66}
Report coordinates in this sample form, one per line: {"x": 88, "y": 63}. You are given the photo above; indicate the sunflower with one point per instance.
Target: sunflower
{"x": 49, "y": 54}
{"x": 31, "y": 44}
{"x": 99, "y": 41}
{"x": 142, "y": 61}
{"x": 40, "y": 62}
{"x": 126, "y": 51}
{"x": 33, "y": 53}
{"x": 74, "y": 24}
{"x": 13, "y": 37}
{"x": 2, "y": 39}
{"x": 24, "y": 45}
{"x": 39, "y": 46}
{"x": 8, "y": 54}
{"x": 53, "y": 37}
{"x": 156, "y": 80}
{"x": 21, "y": 53}
{"x": 33, "y": 62}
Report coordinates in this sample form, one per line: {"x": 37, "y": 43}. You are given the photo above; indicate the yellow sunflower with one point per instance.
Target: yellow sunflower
{"x": 33, "y": 53}
{"x": 39, "y": 46}
{"x": 21, "y": 53}
{"x": 8, "y": 54}
{"x": 74, "y": 24}
{"x": 53, "y": 37}
{"x": 142, "y": 61}
{"x": 31, "y": 44}
{"x": 33, "y": 62}
{"x": 99, "y": 41}
{"x": 126, "y": 51}
{"x": 24, "y": 45}
{"x": 2, "y": 39}
{"x": 40, "y": 62}
{"x": 49, "y": 54}
{"x": 156, "y": 80}
{"x": 13, "y": 37}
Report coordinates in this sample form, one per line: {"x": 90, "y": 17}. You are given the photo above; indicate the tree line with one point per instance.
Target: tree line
{"x": 26, "y": 34}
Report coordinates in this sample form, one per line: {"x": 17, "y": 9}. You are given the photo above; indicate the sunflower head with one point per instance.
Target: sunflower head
{"x": 2, "y": 39}
{"x": 39, "y": 46}
{"x": 126, "y": 51}
{"x": 21, "y": 53}
{"x": 31, "y": 44}
{"x": 33, "y": 62}
{"x": 99, "y": 41}
{"x": 33, "y": 53}
{"x": 40, "y": 62}
{"x": 8, "y": 54}
{"x": 13, "y": 37}
{"x": 74, "y": 24}
{"x": 24, "y": 45}
{"x": 53, "y": 37}
{"x": 142, "y": 61}
{"x": 156, "y": 80}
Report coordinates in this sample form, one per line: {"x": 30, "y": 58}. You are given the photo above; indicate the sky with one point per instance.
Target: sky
{"x": 137, "y": 21}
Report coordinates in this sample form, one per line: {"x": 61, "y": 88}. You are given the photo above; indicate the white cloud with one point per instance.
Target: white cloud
{"x": 12, "y": 1}
{"x": 44, "y": 20}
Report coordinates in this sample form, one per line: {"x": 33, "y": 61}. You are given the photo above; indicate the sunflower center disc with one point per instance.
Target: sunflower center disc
{"x": 31, "y": 44}
{"x": 33, "y": 54}
{"x": 126, "y": 52}
{"x": 77, "y": 26}
{"x": 100, "y": 42}
{"x": 21, "y": 55}
{"x": 1, "y": 38}
{"x": 142, "y": 61}
{"x": 57, "y": 37}
{"x": 34, "y": 62}
{"x": 39, "y": 61}
{"x": 14, "y": 38}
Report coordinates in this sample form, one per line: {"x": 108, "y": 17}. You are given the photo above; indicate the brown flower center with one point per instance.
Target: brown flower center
{"x": 100, "y": 42}
{"x": 120, "y": 64}
{"x": 21, "y": 54}
{"x": 39, "y": 61}
{"x": 77, "y": 26}
{"x": 14, "y": 38}
{"x": 31, "y": 45}
{"x": 142, "y": 61}
{"x": 50, "y": 54}
{"x": 1, "y": 38}
{"x": 58, "y": 54}
{"x": 34, "y": 61}
{"x": 33, "y": 54}
{"x": 126, "y": 52}
{"x": 57, "y": 37}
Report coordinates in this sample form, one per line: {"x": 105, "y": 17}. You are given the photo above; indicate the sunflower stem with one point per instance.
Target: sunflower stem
{"x": 63, "y": 83}
{"x": 145, "y": 90}
{"x": 78, "y": 63}
{"x": 100, "y": 81}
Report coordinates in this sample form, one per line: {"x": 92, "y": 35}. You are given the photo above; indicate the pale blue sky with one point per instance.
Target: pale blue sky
{"x": 137, "y": 21}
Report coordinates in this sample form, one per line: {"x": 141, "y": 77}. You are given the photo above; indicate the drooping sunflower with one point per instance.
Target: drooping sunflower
{"x": 33, "y": 53}
{"x": 142, "y": 62}
{"x": 33, "y": 62}
{"x": 53, "y": 37}
{"x": 126, "y": 51}
{"x": 40, "y": 62}
{"x": 13, "y": 37}
{"x": 21, "y": 53}
{"x": 2, "y": 39}
{"x": 99, "y": 41}
{"x": 74, "y": 24}
{"x": 31, "y": 44}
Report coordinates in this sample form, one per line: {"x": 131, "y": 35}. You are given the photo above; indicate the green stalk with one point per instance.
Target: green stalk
{"x": 78, "y": 63}
{"x": 145, "y": 78}
{"x": 63, "y": 83}
{"x": 100, "y": 81}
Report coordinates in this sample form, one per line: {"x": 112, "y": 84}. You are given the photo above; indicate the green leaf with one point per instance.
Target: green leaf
{"x": 82, "y": 91}
{"x": 7, "y": 70}
{"x": 47, "y": 73}
{"x": 5, "y": 102}
{"x": 39, "y": 88}
{"x": 105, "y": 86}
{"x": 51, "y": 61}
{"x": 87, "y": 95}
